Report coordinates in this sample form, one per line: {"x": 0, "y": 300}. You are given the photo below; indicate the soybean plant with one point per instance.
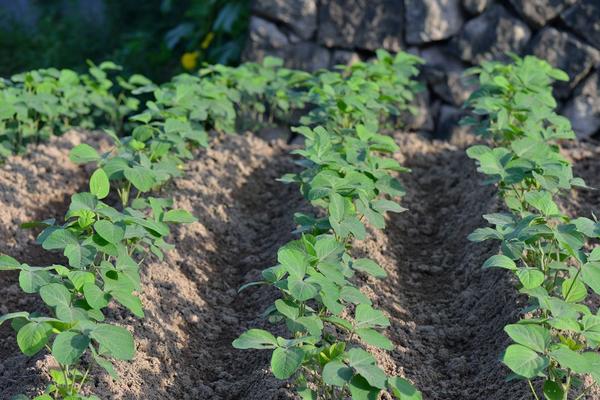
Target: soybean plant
{"x": 550, "y": 254}
{"x": 328, "y": 318}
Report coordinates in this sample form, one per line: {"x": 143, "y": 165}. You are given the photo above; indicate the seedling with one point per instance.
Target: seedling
{"x": 548, "y": 252}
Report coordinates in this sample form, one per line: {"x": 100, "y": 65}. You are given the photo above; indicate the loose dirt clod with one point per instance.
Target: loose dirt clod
{"x": 447, "y": 314}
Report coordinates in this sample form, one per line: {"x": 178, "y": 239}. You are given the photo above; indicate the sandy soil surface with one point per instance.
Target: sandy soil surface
{"x": 447, "y": 314}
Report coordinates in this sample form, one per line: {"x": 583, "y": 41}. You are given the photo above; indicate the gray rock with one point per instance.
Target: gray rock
{"x": 267, "y": 33}
{"x": 584, "y": 108}
{"x": 448, "y": 122}
{"x": 431, "y": 20}
{"x": 584, "y": 18}
{"x": 491, "y": 35}
{"x": 444, "y": 74}
{"x": 539, "y": 12}
{"x": 476, "y": 6}
{"x": 423, "y": 120}
{"x": 566, "y": 52}
{"x": 299, "y": 15}
{"x": 344, "y": 57}
{"x": 308, "y": 56}
{"x": 264, "y": 39}
{"x": 362, "y": 24}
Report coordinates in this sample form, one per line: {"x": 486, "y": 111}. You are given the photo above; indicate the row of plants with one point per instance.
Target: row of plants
{"x": 348, "y": 176}
{"x": 553, "y": 256}
{"x": 38, "y": 104}
{"x": 107, "y": 234}
{"x": 110, "y": 230}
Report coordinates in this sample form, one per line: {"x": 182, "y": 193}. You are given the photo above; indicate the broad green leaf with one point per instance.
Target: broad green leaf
{"x": 114, "y": 340}
{"x": 337, "y": 373}
{"x": 9, "y": 316}
{"x": 542, "y": 201}
{"x": 573, "y": 291}
{"x": 141, "y": 178}
{"x": 360, "y": 389}
{"x": 369, "y": 267}
{"x": 367, "y": 317}
{"x": 500, "y": 261}
{"x": 573, "y": 360}
{"x": 33, "y": 336}
{"x": 374, "y": 338}
{"x": 535, "y": 337}
{"x": 179, "y": 216}
{"x": 255, "y": 339}
{"x": 55, "y": 294}
{"x": 553, "y": 390}
{"x": 83, "y": 153}
{"x": 133, "y": 303}
{"x": 59, "y": 239}
{"x": 99, "y": 184}
{"x": 530, "y": 277}
{"x": 590, "y": 274}
{"x": 403, "y": 389}
{"x": 112, "y": 233}
{"x": 94, "y": 296}
{"x": 68, "y": 347}
{"x": 523, "y": 361}
{"x": 364, "y": 364}
{"x": 8, "y": 263}
{"x": 301, "y": 290}
{"x": 286, "y": 361}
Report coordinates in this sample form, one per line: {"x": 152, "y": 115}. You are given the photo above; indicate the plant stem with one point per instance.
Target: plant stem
{"x": 532, "y": 389}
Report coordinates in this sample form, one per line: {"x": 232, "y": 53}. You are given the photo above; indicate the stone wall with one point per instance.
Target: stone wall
{"x": 451, "y": 35}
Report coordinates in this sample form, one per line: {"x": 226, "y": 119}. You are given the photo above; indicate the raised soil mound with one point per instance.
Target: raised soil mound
{"x": 447, "y": 314}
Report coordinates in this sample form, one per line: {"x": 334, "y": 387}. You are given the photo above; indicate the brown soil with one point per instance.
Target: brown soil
{"x": 447, "y": 314}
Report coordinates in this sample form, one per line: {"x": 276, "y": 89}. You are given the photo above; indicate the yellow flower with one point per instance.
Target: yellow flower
{"x": 190, "y": 60}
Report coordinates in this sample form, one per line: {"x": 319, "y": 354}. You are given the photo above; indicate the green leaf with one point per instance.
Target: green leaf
{"x": 542, "y": 201}
{"x": 133, "y": 303}
{"x": 140, "y": 177}
{"x": 99, "y": 184}
{"x": 403, "y": 389}
{"x": 523, "y": 361}
{"x": 31, "y": 280}
{"x": 286, "y": 361}
{"x": 374, "y": 338}
{"x": 9, "y": 316}
{"x": 112, "y": 233}
{"x": 94, "y": 296}
{"x": 255, "y": 339}
{"x": 33, "y": 336}
{"x": 80, "y": 278}
{"x": 568, "y": 358}
{"x": 8, "y": 263}
{"x": 293, "y": 260}
{"x": 530, "y": 277}
{"x": 573, "y": 291}
{"x": 553, "y": 390}
{"x": 114, "y": 340}
{"x": 302, "y": 290}
{"x": 369, "y": 267}
{"x": 590, "y": 274}
{"x": 69, "y": 346}
{"x": 364, "y": 363}
{"x": 500, "y": 261}
{"x": 59, "y": 239}
{"x": 361, "y": 390}
{"x": 55, "y": 294}
{"x": 83, "y": 153}
{"x": 179, "y": 216}
{"x": 533, "y": 336}
{"x": 367, "y": 317}
{"x": 337, "y": 373}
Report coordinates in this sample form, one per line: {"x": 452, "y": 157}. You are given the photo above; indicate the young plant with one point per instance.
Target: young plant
{"x": 549, "y": 253}
{"x": 328, "y": 318}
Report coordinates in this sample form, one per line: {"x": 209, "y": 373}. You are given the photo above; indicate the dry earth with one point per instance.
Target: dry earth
{"x": 447, "y": 314}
